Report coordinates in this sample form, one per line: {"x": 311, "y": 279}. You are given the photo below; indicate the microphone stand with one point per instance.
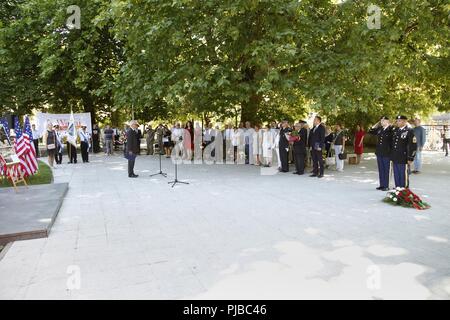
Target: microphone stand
{"x": 174, "y": 182}
{"x": 160, "y": 169}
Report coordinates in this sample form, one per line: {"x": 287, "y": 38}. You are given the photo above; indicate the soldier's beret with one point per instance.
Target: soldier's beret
{"x": 401, "y": 118}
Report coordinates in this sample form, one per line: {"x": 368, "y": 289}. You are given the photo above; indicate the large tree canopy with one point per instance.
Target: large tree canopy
{"x": 249, "y": 59}
{"x": 46, "y": 65}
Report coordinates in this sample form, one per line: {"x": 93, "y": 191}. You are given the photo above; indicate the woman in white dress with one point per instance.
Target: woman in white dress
{"x": 239, "y": 141}
{"x": 197, "y": 143}
{"x": 268, "y": 144}
{"x": 218, "y": 145}
{"x": 257, "y": 145}
{"x": 177, "y": 139}
{"x": 276, "y": 139}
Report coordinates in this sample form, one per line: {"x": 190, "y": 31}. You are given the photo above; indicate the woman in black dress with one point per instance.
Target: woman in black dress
{"x": 51, "y": 143}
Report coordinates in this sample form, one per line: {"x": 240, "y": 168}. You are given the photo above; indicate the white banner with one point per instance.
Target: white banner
{"x": 62, "y": 120}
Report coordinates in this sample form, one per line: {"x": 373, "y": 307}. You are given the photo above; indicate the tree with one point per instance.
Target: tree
{"x": 209, "y": 56}
{"x": 214, "y": 56}
{"x": 254, "y": 59}
{"x": 20, "y": 89}
{"x": 399, "y": 68}
{"x": 49, "y": 66}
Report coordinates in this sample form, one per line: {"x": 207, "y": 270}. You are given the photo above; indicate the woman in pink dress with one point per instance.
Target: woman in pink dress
{"x": 359, "y": 143}
{"x": 188, "y": 140}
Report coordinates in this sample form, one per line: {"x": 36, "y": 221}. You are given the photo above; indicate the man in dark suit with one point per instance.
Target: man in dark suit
{"x": 300, "y": 148}
{"x": 132, "y": 147}
{"x": 317, "y": 143}
{"x": 283, "y": 146}
{"x": 139, "y": 137}
{"x": 404, "y": 146}
{"x": 384, "y": 133}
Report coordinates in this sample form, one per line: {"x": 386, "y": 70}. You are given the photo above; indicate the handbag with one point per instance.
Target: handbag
{"x": 343, "y": 154}
{"x": 317, "y": 146}
{"x": 52, "y": 146}
{"x": 330, "y": 160}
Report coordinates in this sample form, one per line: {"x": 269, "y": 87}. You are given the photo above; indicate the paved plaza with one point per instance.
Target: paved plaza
{"x": 30, "y": 212}
{"x": 235, "y": 233}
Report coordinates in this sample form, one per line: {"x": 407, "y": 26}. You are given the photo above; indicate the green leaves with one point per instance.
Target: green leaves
{"x": 264, "y": 59}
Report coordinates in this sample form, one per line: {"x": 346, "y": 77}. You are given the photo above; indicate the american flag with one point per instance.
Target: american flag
{"x": 25, "y": 148}
{"x": 4, "y": 123}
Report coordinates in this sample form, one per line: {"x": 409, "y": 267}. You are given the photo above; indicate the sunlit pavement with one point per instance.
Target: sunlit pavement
{"x": 235, "y": 233}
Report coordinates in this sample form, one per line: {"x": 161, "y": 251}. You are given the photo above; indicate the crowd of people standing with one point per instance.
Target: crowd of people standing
{"x": 55, "y": 141}
{"x": 255, "y": 144}
{"x": 399, "y": 146}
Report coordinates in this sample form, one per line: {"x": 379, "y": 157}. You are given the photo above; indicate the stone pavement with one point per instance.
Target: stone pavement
{"x": 30, "y": 212}
{"x": 235, "y": 233}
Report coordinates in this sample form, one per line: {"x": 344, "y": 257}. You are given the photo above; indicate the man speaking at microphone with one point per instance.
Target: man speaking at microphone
{"x": 132, "y": 147}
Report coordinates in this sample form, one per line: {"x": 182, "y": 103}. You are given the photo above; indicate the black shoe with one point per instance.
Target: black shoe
{"x": 384, "y": 189}
{"x": 320, "y": 176}
{"x": 295, "y": 172}
{"x": 133, "y": 176}
{"x": 379, "y": 188}
{"x": 313, "y": 175}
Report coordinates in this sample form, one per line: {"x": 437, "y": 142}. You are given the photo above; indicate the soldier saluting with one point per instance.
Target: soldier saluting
{"x": 383, "y": 130}
{"x": 404, "y": 146}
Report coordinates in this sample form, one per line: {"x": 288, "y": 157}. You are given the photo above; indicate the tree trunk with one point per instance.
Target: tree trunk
{"x": 250, "y": 108}
{"x": 249, "y": 111}
{"x": 89, "y": 107}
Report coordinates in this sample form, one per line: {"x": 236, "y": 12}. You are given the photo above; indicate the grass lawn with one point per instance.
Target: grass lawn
{"x": 44, "y": 176}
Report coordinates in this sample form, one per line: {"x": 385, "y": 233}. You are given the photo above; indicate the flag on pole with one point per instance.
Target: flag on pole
{"x": 28, "y": 136}
{"x": 5, "y": 126}
{"x": 23, "y": 150}
{"x": 71, "y": 131}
